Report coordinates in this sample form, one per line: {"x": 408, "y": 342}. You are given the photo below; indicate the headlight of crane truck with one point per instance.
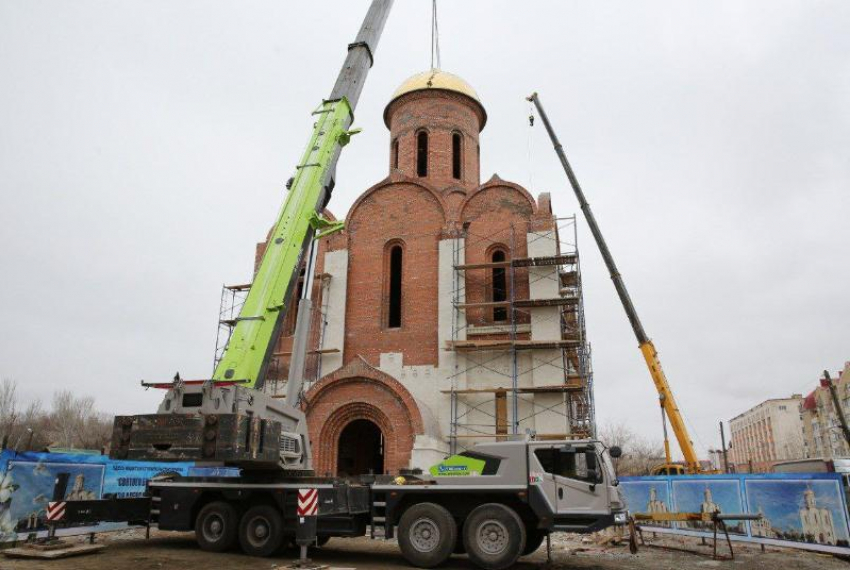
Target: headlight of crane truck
{"x": 496, "y": 502}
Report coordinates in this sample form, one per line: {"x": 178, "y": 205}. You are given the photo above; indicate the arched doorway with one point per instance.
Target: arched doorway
{"x": 360, "y": 449}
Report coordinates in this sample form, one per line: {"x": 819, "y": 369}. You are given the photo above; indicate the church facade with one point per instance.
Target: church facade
{"x": 448, "y": 311}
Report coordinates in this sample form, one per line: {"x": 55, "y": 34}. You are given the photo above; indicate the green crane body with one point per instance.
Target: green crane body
{"x": 247, "y": 354}
{"x": 229, "y": 419}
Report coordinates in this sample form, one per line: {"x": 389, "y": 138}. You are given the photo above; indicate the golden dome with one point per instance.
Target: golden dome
{"x": 437, "y": 79}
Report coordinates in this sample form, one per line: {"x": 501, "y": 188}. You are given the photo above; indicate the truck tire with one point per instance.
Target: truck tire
{"x": 494, "y": 536}
{"x": 261, "y": 531}
{"x": 534, "y": 537}
{"x": 427, "y": 534}
{"x": 216, "y": 527}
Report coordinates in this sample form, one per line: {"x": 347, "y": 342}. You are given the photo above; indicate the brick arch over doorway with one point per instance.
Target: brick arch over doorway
{"x": 359, "y": 391}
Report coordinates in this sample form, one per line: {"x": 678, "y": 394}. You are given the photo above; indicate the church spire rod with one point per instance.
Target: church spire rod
{"x": 435, "y": 37}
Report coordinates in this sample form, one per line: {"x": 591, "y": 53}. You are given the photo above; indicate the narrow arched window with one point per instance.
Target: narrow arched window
{"x": 394, "y": 297}
{"x": 457, "y": 141}
{"x": 395, "y": 154}
{"x": 500, "y": 286}
{"x": 422, "y": 154}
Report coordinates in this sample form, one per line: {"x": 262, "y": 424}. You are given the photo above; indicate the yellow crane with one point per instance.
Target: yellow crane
{"x": 669, "y": 408}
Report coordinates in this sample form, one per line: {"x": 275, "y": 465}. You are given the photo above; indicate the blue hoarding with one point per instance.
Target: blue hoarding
{"x": 804, "y": 510}
{"x": 27, "y": 479}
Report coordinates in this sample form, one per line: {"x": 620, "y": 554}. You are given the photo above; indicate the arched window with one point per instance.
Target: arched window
{"x": 422, "y": 154}
{"x": 395, "y": 154}
{"x": 457, "y": 143}
{"x": 500, "y": 286}
{"x": 394, "y": 269}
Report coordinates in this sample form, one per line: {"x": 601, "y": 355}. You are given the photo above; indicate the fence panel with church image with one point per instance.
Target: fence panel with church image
{"x": 27, "y": 480}
{"x": 799, "y": 510}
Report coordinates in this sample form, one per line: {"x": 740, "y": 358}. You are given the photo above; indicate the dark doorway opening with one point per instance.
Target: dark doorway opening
{"x": 361, "y": 449}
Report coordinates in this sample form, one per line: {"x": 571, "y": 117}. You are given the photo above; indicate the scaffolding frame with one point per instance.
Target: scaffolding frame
{"x": 232, "y": 299}
{"x": 573, "y": 349}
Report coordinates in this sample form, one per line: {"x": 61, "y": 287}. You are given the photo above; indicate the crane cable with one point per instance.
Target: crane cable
{"x": 435, "y": 37}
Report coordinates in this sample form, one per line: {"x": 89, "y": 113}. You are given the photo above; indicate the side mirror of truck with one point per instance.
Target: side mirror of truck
{"x": 615, "y": 452}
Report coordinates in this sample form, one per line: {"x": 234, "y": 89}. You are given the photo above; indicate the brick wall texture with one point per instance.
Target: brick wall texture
{"x": 415, "y": 213}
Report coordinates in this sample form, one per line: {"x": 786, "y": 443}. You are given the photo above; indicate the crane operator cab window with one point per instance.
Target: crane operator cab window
{"x": 574, "y": 463}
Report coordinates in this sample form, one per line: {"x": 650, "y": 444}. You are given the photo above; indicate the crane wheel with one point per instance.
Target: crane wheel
{"x": 494, "y": 536}
{"x": 261, "y": 531}
{"x": 427, "y": 534}
{"x": 216, "y": 527}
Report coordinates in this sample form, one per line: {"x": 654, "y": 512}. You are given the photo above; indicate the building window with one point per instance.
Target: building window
{"x": 394, "y": 294}
{"x": 500, "y": 286}
{"x": 422, "y": 154}
{"x": 395, "y": 154}
{"x": 456, "y": 155}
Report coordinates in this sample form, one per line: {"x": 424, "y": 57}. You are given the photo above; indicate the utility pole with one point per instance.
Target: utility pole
{"x": 723, "y": 444}
{"x": 838, "y": 409}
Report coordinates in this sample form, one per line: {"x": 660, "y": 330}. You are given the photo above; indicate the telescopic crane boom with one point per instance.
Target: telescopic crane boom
{"x": 647, "y": 348}
{"x": 226, "y": 418}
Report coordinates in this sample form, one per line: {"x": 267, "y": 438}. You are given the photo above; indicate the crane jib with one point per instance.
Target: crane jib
{"x": 260, "y": 318}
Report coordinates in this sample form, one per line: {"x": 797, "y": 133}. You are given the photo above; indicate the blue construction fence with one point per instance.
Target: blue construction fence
{"x": 799, "y": 510}
{"x": 27, "y": 479}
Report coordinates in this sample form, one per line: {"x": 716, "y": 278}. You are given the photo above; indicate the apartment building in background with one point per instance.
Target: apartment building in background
{"x": 765, "y": 434}
{"x": 822, "y": 434}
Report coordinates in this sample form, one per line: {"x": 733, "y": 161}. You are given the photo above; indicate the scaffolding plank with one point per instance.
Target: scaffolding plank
{"x": 320, "y": 351}
{"x": 473, "y": 345}
{"x": 483, "y": 304}
{"x": 554, "y": 389}
{"x": 507, "y": 437}
{"x": 548, "y": 260}
{"x": 563, "y": 259}
{"x": 486, "y": 265}
{"x": 556, "y": 302}
{"x": 522, "y": 303}
{"x": 246, "y": 286}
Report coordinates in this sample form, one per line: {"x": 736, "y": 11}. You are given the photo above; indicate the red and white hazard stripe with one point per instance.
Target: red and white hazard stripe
{"x": 308, "y": 502}
{"x": 55, "y": 510}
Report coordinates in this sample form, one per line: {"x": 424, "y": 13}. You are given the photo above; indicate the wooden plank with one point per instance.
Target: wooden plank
{"x": 489, "y": 265}
{"x": 544, "y": 261}
{"x": 501, "y": 413}
{"x": 53, "y": 553}
{"x": 320, "y": 351}
{"x": 553, "y": 389}
{"x": 476, "y": 345}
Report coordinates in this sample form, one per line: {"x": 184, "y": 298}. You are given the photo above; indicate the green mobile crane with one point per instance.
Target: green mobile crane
{"x": 227, "y": 418}
{"x": 497, "y": 502}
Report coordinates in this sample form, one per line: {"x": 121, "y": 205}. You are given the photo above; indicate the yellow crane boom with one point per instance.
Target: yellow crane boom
{"x": 665, "y": 394}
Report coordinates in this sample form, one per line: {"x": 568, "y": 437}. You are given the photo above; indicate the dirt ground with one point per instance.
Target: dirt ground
{"x": 128, "y": 550}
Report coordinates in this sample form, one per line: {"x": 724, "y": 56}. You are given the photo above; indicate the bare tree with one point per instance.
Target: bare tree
{"x": 640, "y": 455}
{"x": 75, "y": 423}
{"x": 8, "y": 408}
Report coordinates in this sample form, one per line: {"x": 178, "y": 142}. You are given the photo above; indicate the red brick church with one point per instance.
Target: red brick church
{"x": 409, "y": 295}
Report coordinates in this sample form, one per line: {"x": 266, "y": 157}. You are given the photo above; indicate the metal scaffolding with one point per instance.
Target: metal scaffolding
{"x": 506, "y": 351}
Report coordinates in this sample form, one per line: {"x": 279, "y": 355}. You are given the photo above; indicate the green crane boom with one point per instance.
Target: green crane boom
{"x": 251, "y": 343}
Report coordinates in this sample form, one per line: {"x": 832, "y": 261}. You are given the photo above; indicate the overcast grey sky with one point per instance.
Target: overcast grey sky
{"x": 144, "y": 146}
